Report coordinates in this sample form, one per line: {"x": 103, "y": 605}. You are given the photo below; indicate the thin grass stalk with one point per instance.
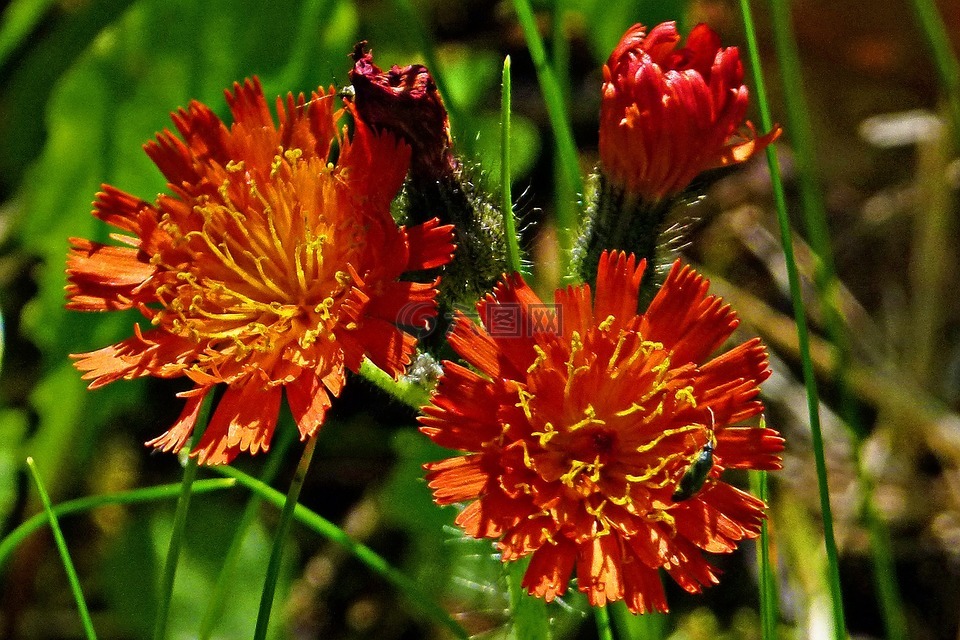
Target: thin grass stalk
{"x": 529, "y": 614}
{"x": 944, "y": 59}
{"x": 566, "y": 197}
{"x": 80, "y": 505}
{"x": 803, "y": 337}
{"x": 313, "y": 13}
{"x": 769, "y": 600}
{"x": 18, "y": 21}
{"x": 64, "y": 553}
{"x": 514, "y": 262}
{"x": 217, "y": 601}
{"x": 280, "y": 539}
{"x": 559, "y": 122}
{"x": 827, "y": 286}
{"x": 414, "y": 21}
{"x": 629, "y": 626}
{"x": 364, "y": 554}
{"x": 601, "y": 615}
{"x": 179, "y": 527}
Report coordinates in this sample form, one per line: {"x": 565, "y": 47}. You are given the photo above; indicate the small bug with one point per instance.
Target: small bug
{"x": 696, "y": 474}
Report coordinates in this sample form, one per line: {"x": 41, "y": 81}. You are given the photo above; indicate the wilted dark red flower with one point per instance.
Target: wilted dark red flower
{"x": 273, "y": 265}
{"x": 668, "y": 114}
{"x": 405, "y": 101}
{"x": 596, "y": 438}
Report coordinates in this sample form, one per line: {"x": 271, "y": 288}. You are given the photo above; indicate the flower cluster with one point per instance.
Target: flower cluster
{"x": 582, "y": 442}
{"x": 593, "y": 433}
{"x": 274, "y": 264}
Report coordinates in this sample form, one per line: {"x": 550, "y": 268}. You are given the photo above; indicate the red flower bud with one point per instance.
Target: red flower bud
{"x": 668, "y": 114}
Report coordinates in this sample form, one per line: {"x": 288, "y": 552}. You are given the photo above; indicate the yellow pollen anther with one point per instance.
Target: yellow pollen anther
{"x": 546, "y": 435}
{"x": 666, "y": 434}
{"x": 540, "y": 359}
{"x": 234, "y": 167}
{"x": 686, "y": 394}
{"x": 616, "y": 355}
{"x": 324, "y": 308}
{"x": 525, "y": 398}
{"x": 622, "y": 501}
{"x": 653, "y": 471}
{"x": 659, "y": 515}
{"x": 662, "y": 368}
{"x": 591, "y": 418}
{"x": 607, "y": 323}
{"x": 653, "y": 415}
{"x": 599, "y": 509}
{"x": 633, "y": 408}
{"x": 292, "y": 155}
{"x": 575, "y": 470}
{"x": 549, "y": 537}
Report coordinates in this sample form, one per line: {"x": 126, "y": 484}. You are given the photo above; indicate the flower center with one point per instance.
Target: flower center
{"x": 245, "y": 271}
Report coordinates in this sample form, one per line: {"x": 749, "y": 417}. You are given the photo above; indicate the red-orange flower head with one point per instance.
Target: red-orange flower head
{"x": 596, "y": 437}
{"x": 272, "y": 265}
{"x": 668, "y": 114}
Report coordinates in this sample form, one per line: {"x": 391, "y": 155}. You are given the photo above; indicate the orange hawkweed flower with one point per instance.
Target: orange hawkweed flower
{"x": 272, "y": 265}
{"x": 595, "y": 437}
{"x": 668, "y": 114}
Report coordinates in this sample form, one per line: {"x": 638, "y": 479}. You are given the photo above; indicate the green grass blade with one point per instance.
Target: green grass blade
{"x": 173, "y": 550}
{"x": 884, "y": 566}
{"x": 769, "y": 601}
{"x": 559, "y": 122}
{"x": 64, "y": 553}
{"x": 415, "y": 594}
{"x": 280, "y": 539}
{"x": 506, "y": 175}
{"x": 529, "y": 614}
{"x": 151, "y": 494}
{"x": 647, "y": 626}
{"x": 313, "y": 14}
{"x": 948, "y": 69}
{"x": 179, "y": 527}
{"x": 827, "y": 286}
{"x": 568, "y": 193}
{"x": 459, "y": 119}
{"x": 803, "y": 337}
{"x": 19, "y": 19}
{"x": 217, "y": 601}
{"x": 602, "y": 617}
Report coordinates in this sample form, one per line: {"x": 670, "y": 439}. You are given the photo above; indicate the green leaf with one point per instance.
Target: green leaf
{"x": 13, "y": 428}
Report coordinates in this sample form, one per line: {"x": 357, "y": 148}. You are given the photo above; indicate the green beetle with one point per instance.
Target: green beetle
{"x": 696, "y": 474}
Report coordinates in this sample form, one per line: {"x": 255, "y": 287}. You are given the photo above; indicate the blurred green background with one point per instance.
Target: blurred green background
{"x": 84, "y": 83}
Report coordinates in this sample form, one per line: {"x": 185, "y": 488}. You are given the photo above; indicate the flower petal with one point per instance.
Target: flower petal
{"x": 308, "y": 401}
{"x": 243, "y": 421}
{"x": 549, "y": 570}
{"x": 103, "y": 277}
{"x": 176, "y": 436}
